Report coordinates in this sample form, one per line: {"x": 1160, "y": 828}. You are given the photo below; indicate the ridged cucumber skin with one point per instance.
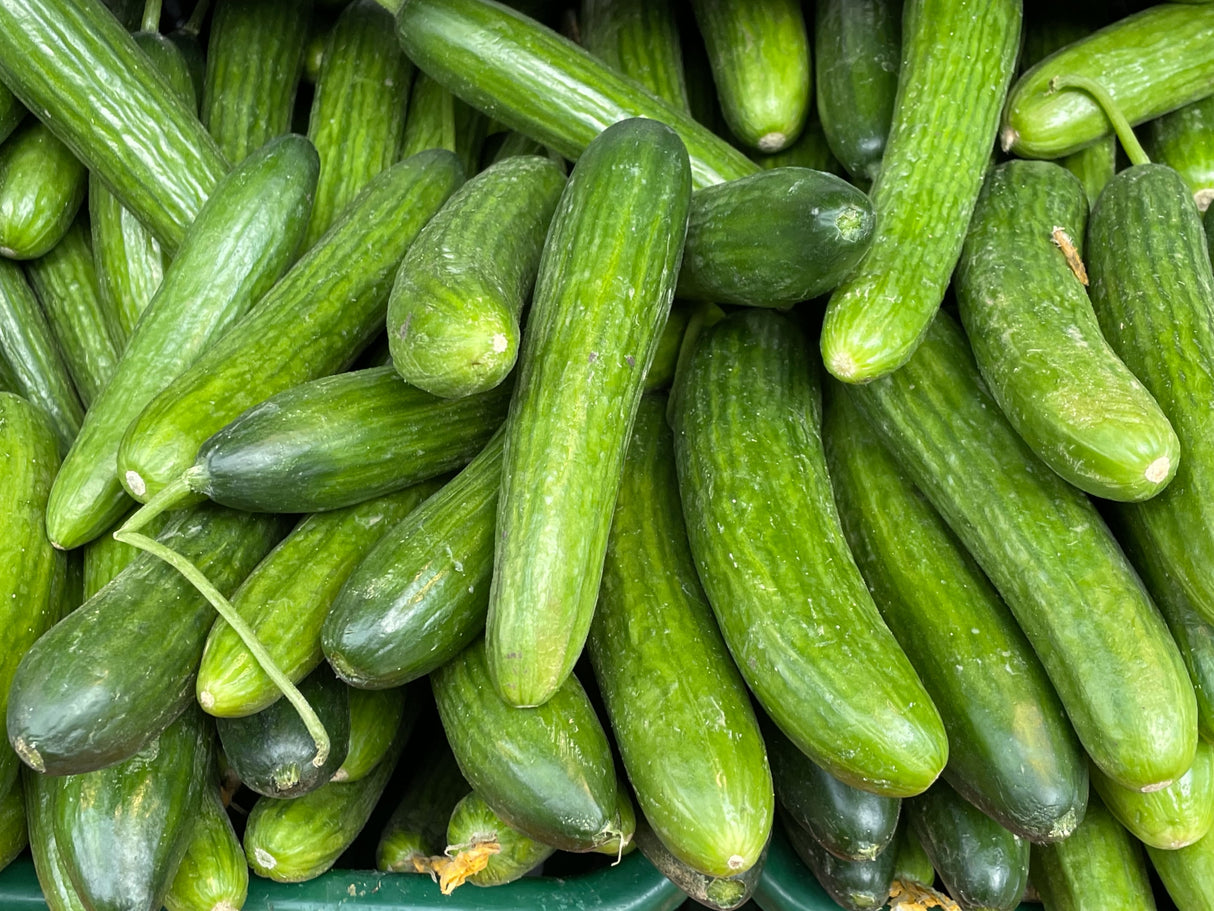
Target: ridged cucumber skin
{"x": 1186, "y": 873}
{"x": 773, "y": 239}
{"x": 272, "y": 752}
{"x": 123, "y": 829}
{"x": 375, "y": 717}
{"x": 286, "y": 599}
{"x": 1052, "y": 559}
{"x": 1100, "y": 862}
{"x": 473, "y": 822}
{"x": 1182, "y": 140}
{"x": 762, "y": 67}
{"x": 420, "y": 596}
{"x": 79, "y": 701}
{"x": 417, "y": 828}
{"x": 1039, "y": 345}
{"x": 239, "y": 245}
{"x": 603, "y": 292}
{"x": 641, "y": 40}
{"x": 857, "y": 51}
{"x": 105, "y": 557}
{"x": 311, "y": 324}
{"x": 14, "y": 836}
{"x": 855, "y": 885}
{"x": 548, "y": 771}
{"x": 89, "y": 334}
{"x": 1094, "y": 165}
{"x": 75, "y": 65}
{"x": 1153, "y": 292}
{"x": 42, "y": 185}
{"x": 341, "y": 440}
{"x": 667, "y": 680}
{"x": 720, "y": 893}
{"x": 12, "y": 112}
{"x": 981, "y": 864}
{"x": 213, "y": 869}
{"x": 36, "y": 369}
{"x": 770, "y": 552}
{"x": 57, "y": 890}
{"x": 430, "y": 122}
{"x": 453, "y": 314}
{"x": 1172, "y": 817}
{"x": 809, "y": 151}
{"x": 958, "y": 58}
{"x": 507, "y": 65}
{"x": 1150, "y": 62}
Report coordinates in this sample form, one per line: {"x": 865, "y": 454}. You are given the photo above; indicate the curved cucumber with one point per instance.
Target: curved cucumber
{"x": 640, "y": 38}
{"x": 213, "y": 874}
{"x": 42, "y": 185}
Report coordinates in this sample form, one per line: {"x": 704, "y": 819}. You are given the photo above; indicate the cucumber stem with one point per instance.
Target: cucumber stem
{"x": 175, "y": 494}
{"x": 1125, "y": 133}
{"x": 193, "y": 25}
{"x": 151, "y": 16}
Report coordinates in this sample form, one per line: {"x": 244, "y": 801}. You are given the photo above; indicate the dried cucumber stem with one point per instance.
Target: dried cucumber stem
{"x": 911, "y": 896}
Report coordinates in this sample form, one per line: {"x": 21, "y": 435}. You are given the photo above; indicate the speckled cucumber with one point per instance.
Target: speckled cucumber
{"x": 641, "y": 40}
{"x": 42, "y": 185}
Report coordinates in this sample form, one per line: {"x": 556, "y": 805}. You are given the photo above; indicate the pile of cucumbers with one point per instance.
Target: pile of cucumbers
{"x": 770, "y": 440}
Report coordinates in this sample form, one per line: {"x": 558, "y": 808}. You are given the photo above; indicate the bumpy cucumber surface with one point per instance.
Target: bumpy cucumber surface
{"x": 640, "y": 39}
{"x": 42, "y": 185}
{"x": 213, "y": 870}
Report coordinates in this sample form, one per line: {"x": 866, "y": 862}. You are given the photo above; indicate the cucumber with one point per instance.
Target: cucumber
{"x": 1012, "y": 751}
{"x": 57, "y": 890}
{"x": 602, "y": 295}
{"x": 1181, "y": 139}
{"x": 375, "y": 717}
{"x": 786, "y": 883}
{"x": 239, "y": 245}
{"x": 761, "y": 65}
{"x": 666, "y": 678}
{"x": 254, "y": 56}
{"x": 747, "y": 239}
{"x": 641, "y": 40}
{"x": 857, "y": 50}
{"x": 439, "y": 120}
{"x": 42, "y": 185}
{"x": 1038, "y": 343}
{"x": 1052, "y": 559}
{"x": 508, "y": 65}
{"x": 417, "y": 828}
{"x": 855, "y": 885}
{"x": 89, "y": 334}
{"x": 213, "y": 874}
{"x": 79, "y": 700}
{"x": 765, "y": 534}
{"x": 312, "y": 323}
{"x": 720, "y": 893}
{"x": 12, "y": 112}
{"x": 809, "y": 151}
{"x": 1150, "y": 62}
{"x": 75, "y": 64}
{"x": 956, "y": 55}
{"x": 547, "y": 771}
{"x": 14, "y": 836}
{"x": 474, "y": 825}
{"x": 1186, "y": 873}
{"x": 912, "y": 866}
{"x": 105, "y": 557}
{"x": 453, "y": 315}
{"x": 357, "y": 117}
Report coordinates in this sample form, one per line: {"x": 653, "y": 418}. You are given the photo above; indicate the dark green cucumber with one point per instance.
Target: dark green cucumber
{"x": 272, "y": 752}
{"x": 473, "y": 824}
{"x": 1051, "y": 558}
{"x": 1182, "y": 140}
{"x": 213, "y": 874}
{"x": 453, "y": 315}
{"x": 109, "y": 677}
{"x": 981, "y": 864}
{"x": 1186, "y": 873}
{"x": 761, "y": 63}
{"x": 857, "y": 50}
{"x": 42, "y": 185}
{"x": 89, "y": 334}
{"x": 720, "y": 893}
{"x": 375, "y": 718}
{"x": 855, "y": 885}
{"x": 32, "y": 573}
{"x": 14, "y": 835}
{"x": 312, "y": 323}
{"x": 508, "y": 65}
{"x": 123, "y": 829}
{"x": 774, "y": 238}
{"x": 1171, "y": 817}
{"x": 12, "y": 112}
{"x": 1099, "y": 866}
{"x": 605, "y": 283}
{"x": 765, "y": 534}
{"x": 420, "y": 596}
{"x": 57, "y": 890}
{"x": 239, "y": 245}
{"x": 417, "y": 828}
{"x": 1150, "y": 62}
{"x": 1012, "y": 751}
{"x": 958, "y": 56}
{"x": 358, "y": 109}
{"x": 641, "y": 40}
{"x": 76, "y": 65}
{"x": 663, "y": 672}
{"x": 547, "y": 771}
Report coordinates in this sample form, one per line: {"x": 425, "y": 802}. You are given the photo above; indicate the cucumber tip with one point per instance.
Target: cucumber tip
{"x": 1159, "y": 470}
{"x": 1203, "y": 198}
{"x": 773, "y": 141}
{"x": 1007, "y": 138}
{"x": 264, "y": 859}
{"x": 136, "y": 484}
{"x": 29, "y": 754}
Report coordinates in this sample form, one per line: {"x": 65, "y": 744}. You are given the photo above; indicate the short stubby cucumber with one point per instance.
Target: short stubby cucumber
{"x": 42, "y": 185}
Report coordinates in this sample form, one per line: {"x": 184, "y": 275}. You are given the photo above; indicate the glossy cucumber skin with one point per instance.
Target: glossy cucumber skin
{"x": 546, "y": 770}
{"x": 312, "y": 323}
{"x": 1186, "y": 873}
{"x": 453, "y": 315}
{"x": 641, "y": 40}
{"x": 76, "y": 65}
{"x": 857, "y": 51}
{"x": 1012, "y": 751}
{"x": 603, "y": 292}
{"x": 213, "y": 869}
{"x": 238, "y": 246}
{"x": 473, "y": 822}
{"x": 39, "y": 792}
{"x": 1088, "y": 618}
{"x": 1181, "y": 139}
{"x": 508, "y": 66}
{"x": 958, "y": 58}
{"x": 1150, "y": 62}
{"x": 749, "y": 240}
{"x": 678, "y": 707}
{"x": 855, "y": 885}
{"x": 79, "y": 702}
{"x": 771, "y": 555}
{"x": 42, "y": 185}
{"x": 376, "y": 716}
